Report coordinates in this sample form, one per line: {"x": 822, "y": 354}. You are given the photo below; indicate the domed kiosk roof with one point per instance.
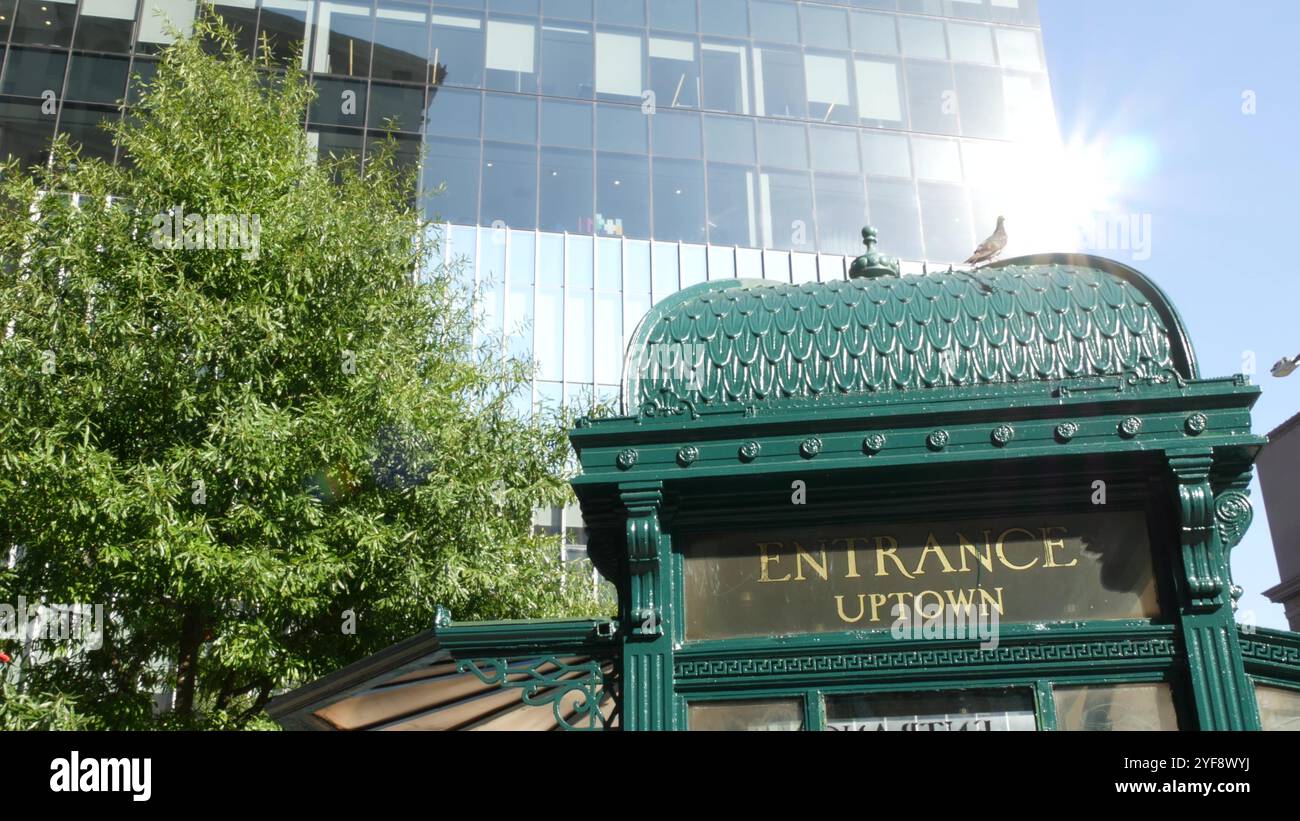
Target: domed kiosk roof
{"x": 1048, "y": 317}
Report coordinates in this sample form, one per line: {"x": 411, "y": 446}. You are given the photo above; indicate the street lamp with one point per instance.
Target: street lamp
{"x": 1286, "y": 365}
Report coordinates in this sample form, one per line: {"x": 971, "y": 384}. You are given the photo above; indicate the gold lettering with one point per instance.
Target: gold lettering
{"x": 1050, "y": 544}
{"x": 851, "y": 552}
{"x": 801, "y": 555}
{"x": 891, "y": 552}
{"x": 764, "y": 560}
{"x": 1002, "y": 552}
{"x": 961, "y": 601}
{"x": 987, "y": 600}
{"x": 877, "y": 601}
{"x": 862, "y": 609}
{"x": 964, "y": 547}
{"x": 932, "y": 546}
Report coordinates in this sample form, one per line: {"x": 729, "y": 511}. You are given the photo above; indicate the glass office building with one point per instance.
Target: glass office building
{"x": 594, "y": 156}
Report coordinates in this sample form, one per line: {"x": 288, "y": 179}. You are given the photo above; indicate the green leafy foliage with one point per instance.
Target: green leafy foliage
{"x": 232, "y": 449}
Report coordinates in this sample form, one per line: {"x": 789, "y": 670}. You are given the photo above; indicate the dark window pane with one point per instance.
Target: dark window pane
{"x": 25, "y": 132}
{"x": 780, "y": 92}
{"x": 401, "y": 42}
{"x": 621, "y": 128}
{"x": 567, "y": 124}
{"x": 622, "y": 196}
{"x": 674, "y": 15}
{"x": 31, "y": 73}
{"x": 47, "y": 22}
{"x": 727, "y": 18}
{"x": 336, "y": 144}
{"x": 455, "y": 163}
{"x": 566, "y": 191}
{"x": 97, "y": 79}
{"x": 142, "y": 71}
{"x": 731, "y": 205}
{"x": 725, "y": 77}
{"x": 284, "y": 24}
{"x": 894, "y": 213}
{"x": 676, "y": 134}
{"x": 458, "y": 49}
{"x": 453, "y": 112}
{"x": 873, "y": 32}
{"x": 240, "y": 15}
{"x": 346, "y": 46}
{"x": 774, "y": 22}
{"x": 824, "y": 27}
{"x": 569, "y": 9}
{"x": 509, "y": 185}
{"x": 841, "y": 213}
{"x": 730, "y": 139}
{"x": 626, "y": 12}
{"x": 106, "y": 25}
{"x": 511, "y": 59}
{"x": 679, "y": 200}
{"x": 404, "y": 105}
{"x": 782, "y": 145}
{"x": 82, "y": 125}
{"x": 511, "y": 118}
{"x": 787, "y": 211}
{"x": 568, "y": 56}
{"x": 931, "y": 97}
{"x": 406, "y": 149}
{"x": 674, "y": 72}
{"x": 981, "y": 710}
{"x": 339, "y": 102}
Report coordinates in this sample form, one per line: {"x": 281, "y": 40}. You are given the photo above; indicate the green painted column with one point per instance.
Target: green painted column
{"x": 1221, "y": 692}
{"x": 647, "y": 649}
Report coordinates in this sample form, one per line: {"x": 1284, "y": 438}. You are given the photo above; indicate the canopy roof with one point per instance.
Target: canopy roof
{"x": 1047, "y": 317}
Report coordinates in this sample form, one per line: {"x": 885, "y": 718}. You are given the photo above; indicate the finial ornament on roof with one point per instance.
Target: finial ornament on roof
{"x": 872, "y": 264}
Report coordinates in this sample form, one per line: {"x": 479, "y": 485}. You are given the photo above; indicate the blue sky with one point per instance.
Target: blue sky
{"x": 1159, "y": 86}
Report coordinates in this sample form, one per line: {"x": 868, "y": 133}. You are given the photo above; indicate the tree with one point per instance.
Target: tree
{"x": 244, "y": 411}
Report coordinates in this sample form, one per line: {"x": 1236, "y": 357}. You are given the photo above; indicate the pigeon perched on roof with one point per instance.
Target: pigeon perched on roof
{"x": 990, "y": 247}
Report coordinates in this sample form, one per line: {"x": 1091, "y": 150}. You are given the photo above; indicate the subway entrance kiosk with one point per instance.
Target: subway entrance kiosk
{"x": 991, "y": 499}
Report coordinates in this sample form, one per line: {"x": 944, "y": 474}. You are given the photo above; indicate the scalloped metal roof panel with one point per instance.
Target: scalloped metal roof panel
{"x": 1050, "y": 317}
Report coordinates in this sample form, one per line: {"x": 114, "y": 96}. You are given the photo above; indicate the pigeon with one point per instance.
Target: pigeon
{"x": 990, "y": 247}
{"x": 1286, "y": 366}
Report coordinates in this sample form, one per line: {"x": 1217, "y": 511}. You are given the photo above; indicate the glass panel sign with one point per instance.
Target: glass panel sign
{"x": 755, "y": 714}
{"x": 1279, "y": 709}
{"x": 955, "y": 711}
{"x": 861, "y": 577}
{"x": 1115, "y": 707}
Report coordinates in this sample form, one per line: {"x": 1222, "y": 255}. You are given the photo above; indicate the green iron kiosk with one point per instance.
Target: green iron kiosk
{"x": 1000, "y": 498}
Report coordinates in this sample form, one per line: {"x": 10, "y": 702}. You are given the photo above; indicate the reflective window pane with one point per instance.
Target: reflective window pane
{"x": 824, "y": 27}
{"x": 550, "y": 259}
{"x": 511, "y": 57}
{"x": 284, "y": 23}
{"x": 579, "y": 270}
{"x": 835, "y": 149}
{"x": 458, "y": 46}
{"x": 674, "y": 72}
{"x": 827, "y": 78}
{"x": 730, "y": 139}
{"x": 953, "y": 710}
{"x": 401, "y": 107}
{"x": 732, "y": 212}
{"x": 578, "y": 341}
{"x": 841, "y": 213}
{"x": 971, "y": 44}
{"x": 567, "y": 124}
{"x": 82, "y": 124}
{"x": 609, "y": 330}
{"x": 568, "y": 56}
{"x": 922, "y": 38}
{"x": 725, "y": 77}
{"x": 549, "y": 326}
{"x": 945, "y": 219}
{"x": 566, "y": 190}
{"x": 96, "y": 79}
{"x": 779, "y": 83}
{"x": 622, "y": 191}
{"x": 1279, "y": 708}
{"x": 624, "y": 12}
{"x": 619, "y": 66}
{"x": 522, "y": 250}
{"x": 401, "y": 42}
{"x": 663, "y": 266}
{"x": 886, "y": 154}
{"x": 27, "y": 132}
{"x": 725, "y": 18}
{"x": 609, "y": 265}
{"x": 509, "y": 185}
{"x": 621, "y": 128}
{"x": 1018, "y": 48}
{"x": 873, "y": 32}
{"x": 880, "y": 92}
{"x": 1115, "y": 707}
{"x": 936, "y": 159}
{"x": 339, "y": 102}
{"x": 32, "y": 72}
{"x": 782, "y": 145}
{"x": 983, "y": 111}
{"x": 787, "y": 210}
{"x": 673, "y": 15}
{"x": 676, "y": 134}
{"x": 510, "y": 118}
{"x": 694, "y": 265}
{"x": 636, "y": 270}
{"x": 106, "y": 25}
{"x": 772, "y": 714}
{"x": 893, "y": 210}
{"x": 679, "y": 200}
{"x": 453, "y": 112}
{"x": 49, "y": 22}
{"x": 930, "y": 97}
{"x": 569, "y": 9}
{"x": 342, "y": 43}
{"x": 773, "y": 21}
{"x": 722, "y": 262}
